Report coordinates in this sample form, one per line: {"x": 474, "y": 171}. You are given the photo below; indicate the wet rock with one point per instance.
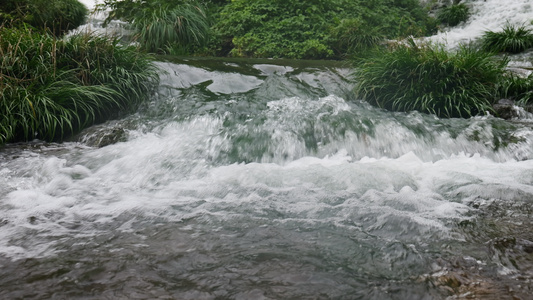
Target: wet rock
{"x": 510, "y": 247}
{"x": 101, "y": 136}
{"x": 464, "y": 278}
{"x": 526, "y": 246}
{"x": 503, "y": 243}
{"x": 492, "y": 278}
{"x": 506, "y": 109}
{"x": 32, "y": 220}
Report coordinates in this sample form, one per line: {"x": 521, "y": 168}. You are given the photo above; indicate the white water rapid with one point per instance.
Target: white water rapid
{"x": 266, "y": 179}
{"x": 487, "y": 15}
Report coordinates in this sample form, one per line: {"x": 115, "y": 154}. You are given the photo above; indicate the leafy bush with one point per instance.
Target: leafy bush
{"x": 51, "y": 88}
{"x": 430, "y": 79}
{"x": 511, "y": 39}
{"x": 453, "y": 15}
{"x": 56, "y": 16}
{"x": 315, "y": 29}
{"x": 517, "y": 88}
{"x": 163, "y": 26}
{"x": 353, "y": 36}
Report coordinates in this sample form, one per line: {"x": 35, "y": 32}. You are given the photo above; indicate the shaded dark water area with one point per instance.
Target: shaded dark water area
{"x": 263, "y": 179}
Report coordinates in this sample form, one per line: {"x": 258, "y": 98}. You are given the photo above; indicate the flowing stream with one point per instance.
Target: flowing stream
{"x": 252, "y": 179}
{"x": 267, "y": 179}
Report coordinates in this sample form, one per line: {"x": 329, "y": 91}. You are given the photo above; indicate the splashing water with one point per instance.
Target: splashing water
{"x": 487, "y": 15}
{"x": 272, "y": 187}
{"x": 264, "y": 179}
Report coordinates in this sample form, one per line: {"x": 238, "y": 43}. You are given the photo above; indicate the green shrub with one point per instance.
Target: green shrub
{"x": 453, "y": 15}
{"x": 56, "y": 16}
{"x": 511, "y": 39}
{"x": 168, "y": 27}
{"x": 315, "y": 29}
{"x": 163, "y": 26}
{"x": 266, "y": 28}
{"x": 430, "y": 79}
{"x": 51, "y": 88}
{"x": 353, "y": 36}
{"x": 517, "y": 88}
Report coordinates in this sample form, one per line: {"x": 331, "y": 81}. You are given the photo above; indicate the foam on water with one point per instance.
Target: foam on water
{"x": 170, "y": 173}
{"x": 274, "y": 182}
{"x": 487, "y": 15}
{"x": 90, "y": 3}
{"x": 294, "y": 127}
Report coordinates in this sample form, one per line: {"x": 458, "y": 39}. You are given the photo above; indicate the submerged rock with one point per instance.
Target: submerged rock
{"x": 466, "y": 278}
{"x": 101, "y": 136}
{"x": 506, "y": 109}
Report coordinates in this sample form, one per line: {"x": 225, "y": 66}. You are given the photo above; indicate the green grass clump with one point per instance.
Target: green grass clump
{"x": 55, "y": 16}
{"x": 517, "y": 88}
{"x": 51, "y": 88}
{"x": 354, "y": 36}
{"x": 163, "y": 26}
{"x": 430, "y": 79}
{"x": 163, "y": 29}
{"x": 511, "y": 39}
{"x": 453, "y": 15}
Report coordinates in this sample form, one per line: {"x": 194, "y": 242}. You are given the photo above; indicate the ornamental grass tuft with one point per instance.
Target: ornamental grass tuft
{"x": 163, "y": 26}
{"x": 51, "y": 88}
{"x": 453, "y": 15}
{"x": 517, "y": 88}
{"x": 166, "y": 28}
{"x": 511, "y": 39}
{"x": 430, "y": 79}
{"x": 354, "y": 36}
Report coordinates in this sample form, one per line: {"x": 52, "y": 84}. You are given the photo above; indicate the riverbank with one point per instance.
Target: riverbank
{"x": 52, "y": 88}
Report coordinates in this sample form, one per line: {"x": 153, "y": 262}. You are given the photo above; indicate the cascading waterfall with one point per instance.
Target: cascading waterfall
{"x": 94, "y": 24}
{"x": 486, "y": 15}
{"x": 265, "y": 179}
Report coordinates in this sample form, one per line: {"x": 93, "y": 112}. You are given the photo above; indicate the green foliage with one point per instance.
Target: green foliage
{"x": 163, "y": 26}
{"x": 8, "y": 12}
{"x": 56, "y": 16}
{"x": 511, "y": 39}
{"x": 317, "y": 28}
{"x": 6, "y": 18}
{"x": 430, "y": 79}
{"x": 265, "y": 28}
{"x": 353, "y": 36}
{"x": 51, "y": 88}
{"x": 453, "y": 15}
{"x": 517, "y": 88}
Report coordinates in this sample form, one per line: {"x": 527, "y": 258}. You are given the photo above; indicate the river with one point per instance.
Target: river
{"x": 267, "y": 179}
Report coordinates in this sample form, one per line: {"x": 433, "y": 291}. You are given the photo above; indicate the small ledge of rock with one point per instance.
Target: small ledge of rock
{"x": 101, "y": 136}
{"x": 506, "y": 109}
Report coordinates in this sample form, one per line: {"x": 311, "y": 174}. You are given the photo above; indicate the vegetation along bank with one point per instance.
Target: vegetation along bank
{"x": 54, "y": 85}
